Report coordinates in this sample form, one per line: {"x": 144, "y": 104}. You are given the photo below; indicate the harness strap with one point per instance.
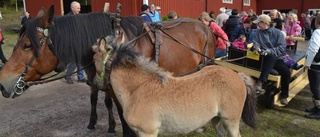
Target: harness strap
{"x": 157, "y": 45}
{"x": 150, "y": 34}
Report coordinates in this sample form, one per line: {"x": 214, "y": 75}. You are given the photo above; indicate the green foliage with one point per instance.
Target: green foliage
{"x": 11, "y": 3}
{"x": 165, "y": 18}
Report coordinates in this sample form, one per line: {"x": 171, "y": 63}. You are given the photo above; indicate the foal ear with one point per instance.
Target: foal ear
{"x": 102, "y": 45}
{"x": 121, "y": 37}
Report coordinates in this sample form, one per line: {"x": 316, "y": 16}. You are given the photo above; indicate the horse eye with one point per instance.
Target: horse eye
{"x": 27, "y": 47}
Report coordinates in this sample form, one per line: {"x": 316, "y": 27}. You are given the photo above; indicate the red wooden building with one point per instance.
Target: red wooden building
{"x": 184, "y": 8}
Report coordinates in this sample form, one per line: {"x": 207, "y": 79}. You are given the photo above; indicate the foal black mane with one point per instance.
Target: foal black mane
{"x": 72, "y": 36}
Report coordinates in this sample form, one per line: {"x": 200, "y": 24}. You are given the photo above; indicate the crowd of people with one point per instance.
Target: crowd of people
{"x": 273, "y": 33}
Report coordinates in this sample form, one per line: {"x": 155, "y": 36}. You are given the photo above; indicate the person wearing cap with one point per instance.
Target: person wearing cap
{"x": 272, "y": 43}
{"x": 144, "y": 14}
{"x": 158, "y": 8}
{"x": 154, "y": 14}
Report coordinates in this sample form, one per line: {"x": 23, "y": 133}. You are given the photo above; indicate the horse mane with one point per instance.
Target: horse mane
{"x": 126, "y": 55}
{"x": 72, "y": 36}
{"x": 133, "y": 26}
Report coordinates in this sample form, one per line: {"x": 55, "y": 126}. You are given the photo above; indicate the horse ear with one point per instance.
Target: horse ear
{"x": 50, "y": 13}
{"x": 41, "y": 12}
{"x": 46, "y": 17}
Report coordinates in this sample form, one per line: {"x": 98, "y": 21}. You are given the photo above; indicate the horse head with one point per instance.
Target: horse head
{"x": 32, "y": 56}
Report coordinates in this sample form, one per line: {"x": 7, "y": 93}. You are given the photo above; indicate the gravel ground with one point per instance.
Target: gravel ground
{"x": 52, "y": 109}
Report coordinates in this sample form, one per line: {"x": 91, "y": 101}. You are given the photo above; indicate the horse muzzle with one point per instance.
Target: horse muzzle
{"x": 4, "y": 92}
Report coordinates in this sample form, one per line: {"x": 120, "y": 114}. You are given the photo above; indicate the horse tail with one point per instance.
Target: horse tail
{"x": 249, "y": 109}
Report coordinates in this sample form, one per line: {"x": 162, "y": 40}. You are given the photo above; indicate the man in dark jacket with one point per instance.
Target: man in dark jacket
{"x": 232, "y": 22}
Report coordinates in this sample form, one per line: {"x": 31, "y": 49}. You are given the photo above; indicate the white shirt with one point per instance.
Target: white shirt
{"x": 313, "y": 48}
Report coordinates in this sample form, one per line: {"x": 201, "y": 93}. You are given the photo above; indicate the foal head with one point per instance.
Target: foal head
{"x": 112, "y": 53}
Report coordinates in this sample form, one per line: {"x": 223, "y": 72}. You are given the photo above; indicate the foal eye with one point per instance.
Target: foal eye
{"x": 27, "y": 47}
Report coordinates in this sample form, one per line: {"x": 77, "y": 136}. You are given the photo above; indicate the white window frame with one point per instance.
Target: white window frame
{"x": 246, "y": 2}
{"x": 227, "y": 1}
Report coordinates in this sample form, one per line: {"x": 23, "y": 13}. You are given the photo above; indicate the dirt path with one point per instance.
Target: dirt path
{"x": 53, "y": 109}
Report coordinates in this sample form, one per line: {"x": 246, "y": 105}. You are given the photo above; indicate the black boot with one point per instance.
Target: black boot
{"x": 310, "y": 110}
{"x": 297, "y": 67}
{"x": 314, "y": 115}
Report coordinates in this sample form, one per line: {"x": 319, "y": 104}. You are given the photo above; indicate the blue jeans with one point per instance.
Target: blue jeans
{"x": 71, "y": 69}
{"x": 220, "y": 53}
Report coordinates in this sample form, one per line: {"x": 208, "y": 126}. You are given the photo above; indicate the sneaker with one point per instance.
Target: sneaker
{"x": 69, "y": 80}
{"x": 82, "y": 80}
{"x": 284, "y": 101}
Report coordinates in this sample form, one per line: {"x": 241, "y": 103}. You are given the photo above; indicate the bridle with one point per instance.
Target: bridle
{"x": 21, "y": 85}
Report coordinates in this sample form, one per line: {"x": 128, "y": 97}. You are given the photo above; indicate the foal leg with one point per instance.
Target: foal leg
{"x": 112, "y": 122}
{"x": 233, "y": 126}
{"x": 126, "y": 130}
{"x": 93, "y": 114}
{"x": 219, "y": 127}
{"x": 141, "y": 134}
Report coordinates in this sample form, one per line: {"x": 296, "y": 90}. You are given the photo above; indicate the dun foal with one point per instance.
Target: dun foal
{"x": 154, "y": 102}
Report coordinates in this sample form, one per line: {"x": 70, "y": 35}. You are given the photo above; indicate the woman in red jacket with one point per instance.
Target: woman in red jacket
{"x": 222, "y": 41}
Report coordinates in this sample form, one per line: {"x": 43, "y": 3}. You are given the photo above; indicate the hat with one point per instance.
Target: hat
{"x": 262, "y": 18}
{"x": 158, "y": 8}
{"x": 144, "y": 7}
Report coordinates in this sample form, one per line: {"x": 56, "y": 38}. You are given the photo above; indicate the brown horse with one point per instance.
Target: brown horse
{"x": 49, "y": 43}
{"x": 154, "y": 102}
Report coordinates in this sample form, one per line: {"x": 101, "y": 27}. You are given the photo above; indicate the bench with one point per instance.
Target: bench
{"x": 299, "y": 77}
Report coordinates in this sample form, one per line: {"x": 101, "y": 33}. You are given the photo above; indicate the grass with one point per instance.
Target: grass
{"x": 10, "y": 19}
{"x": 278, "y": 122}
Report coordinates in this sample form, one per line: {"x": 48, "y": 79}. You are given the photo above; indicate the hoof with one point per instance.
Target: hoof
{"x": 111, "y": 134}
{"x": 199, "y": 130}
{"x": 89, "y": 130}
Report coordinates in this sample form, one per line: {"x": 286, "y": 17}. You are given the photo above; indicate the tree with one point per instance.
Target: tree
{"x": 11, "y": 3}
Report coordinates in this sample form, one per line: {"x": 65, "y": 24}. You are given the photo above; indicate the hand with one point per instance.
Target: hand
{"x": 291, "y": 36}
{"x": 228, "y": 44}
{"x": 306, "y": 67}
{"x": 265, "y": 52}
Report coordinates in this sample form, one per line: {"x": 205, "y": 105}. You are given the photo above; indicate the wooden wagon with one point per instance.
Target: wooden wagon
{"x": 251, "y": 66}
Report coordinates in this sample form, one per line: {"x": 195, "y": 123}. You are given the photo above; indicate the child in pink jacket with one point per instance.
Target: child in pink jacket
{"x": 240, "y": 43}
